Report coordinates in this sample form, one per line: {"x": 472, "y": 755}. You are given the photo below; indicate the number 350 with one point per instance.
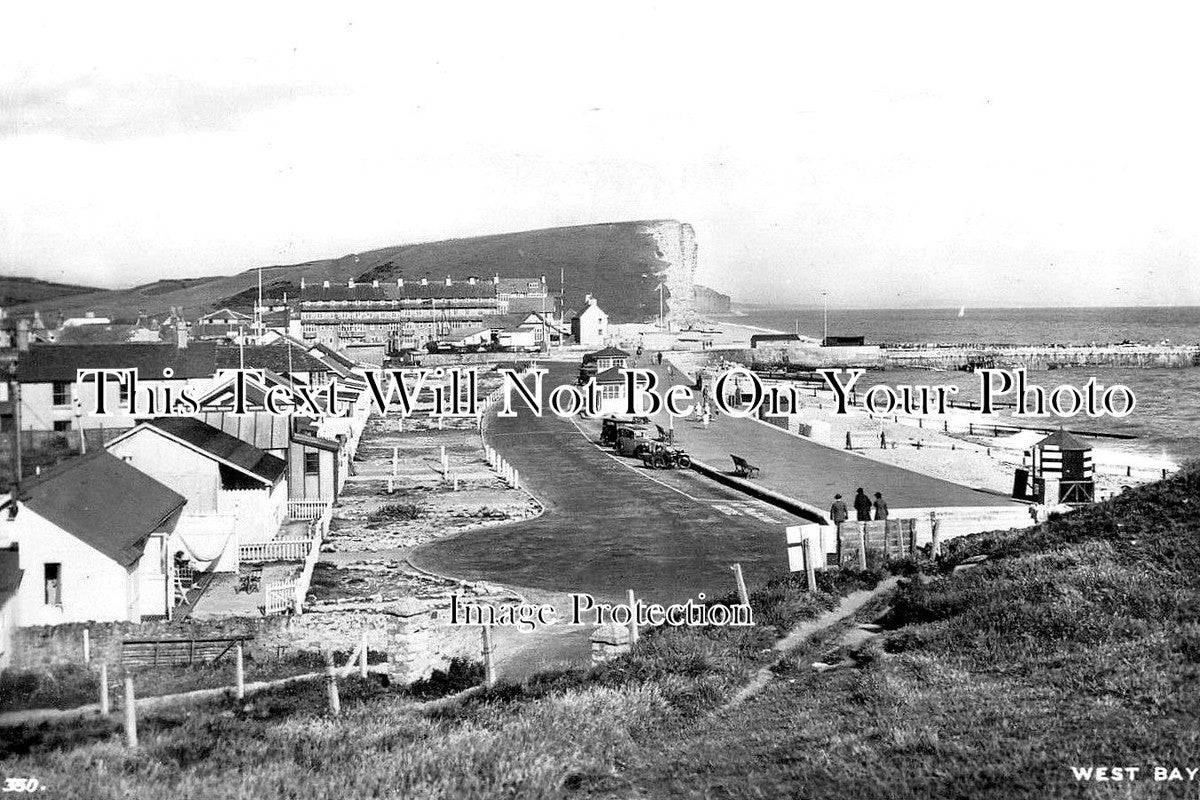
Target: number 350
{"x": 21, "y": 785}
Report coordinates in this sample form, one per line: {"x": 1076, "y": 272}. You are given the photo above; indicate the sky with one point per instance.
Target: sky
{"x": 892, "y": 154}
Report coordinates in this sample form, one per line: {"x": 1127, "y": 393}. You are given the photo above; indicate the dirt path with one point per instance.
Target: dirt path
{"x": 801, "y": 634}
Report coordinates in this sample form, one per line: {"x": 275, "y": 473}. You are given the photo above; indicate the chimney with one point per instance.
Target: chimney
{"x": 23, "y": 335}
{"x": 591, "y": 301}
{"x": 181, "y": 335}
{"x": 448, "y": 281}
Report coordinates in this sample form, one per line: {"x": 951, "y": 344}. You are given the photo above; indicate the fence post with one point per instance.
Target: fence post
{"x": 633, "y": 625}
{"x": 240, "y": 672}
{"x": 862, "y": 546}
{"x": 395, "y": 460}
{"x": 331, "y": 687}
{"x": 104, "y": 688}
{"x": 87, "y": 646}
{"x": 935, "y": 549}
{"x": 362, "y": 659}
{"x": 743, "y": 595}
{"x": 810, "y": 571}
{"x": 489, "y": 667}
{"x": 131, "y": 739}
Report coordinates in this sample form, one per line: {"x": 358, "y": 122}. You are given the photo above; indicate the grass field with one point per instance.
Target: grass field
{"x": 1075, "y": 644}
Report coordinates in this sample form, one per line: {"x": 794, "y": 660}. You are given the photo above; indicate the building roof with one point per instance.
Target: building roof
{"x": 226, "y": 313}
{"x": 103, "y": 502}
{"x": 61, "y": 362}
{"x": 1063, "y": 441}
{"x": 282, "y": 356}
{"x": 314, "y": 441}
{"x": 218, "y": 444}
{"x": 521, "y": 286}
{"x": 611, "y": 375}
{"x": 437, "y": 290}
{"x": 607, "y": 353}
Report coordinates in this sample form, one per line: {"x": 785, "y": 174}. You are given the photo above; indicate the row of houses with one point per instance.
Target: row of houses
{"x": 110, "y": 535}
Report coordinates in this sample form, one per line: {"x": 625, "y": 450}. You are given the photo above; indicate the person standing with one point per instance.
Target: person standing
{"x": 838, "y": 512}
{"x": 881, "y": 509}
{"x": 862, "y": 506}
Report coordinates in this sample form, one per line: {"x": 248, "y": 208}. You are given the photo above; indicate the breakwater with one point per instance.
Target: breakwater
{"x": 1040, "y": 357}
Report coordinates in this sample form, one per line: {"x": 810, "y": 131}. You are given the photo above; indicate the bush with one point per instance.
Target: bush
{"x": 399, "y": 511}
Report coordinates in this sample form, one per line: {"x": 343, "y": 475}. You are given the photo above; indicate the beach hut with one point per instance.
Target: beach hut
{"x": 1061, "y": 469}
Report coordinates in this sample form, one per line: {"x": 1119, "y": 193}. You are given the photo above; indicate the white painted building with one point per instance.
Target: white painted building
{"x": 91, "y": 541}
{"x": 590, "y": 327}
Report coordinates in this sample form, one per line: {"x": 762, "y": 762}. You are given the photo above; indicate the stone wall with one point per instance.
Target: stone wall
{"x": 413, "y": 637}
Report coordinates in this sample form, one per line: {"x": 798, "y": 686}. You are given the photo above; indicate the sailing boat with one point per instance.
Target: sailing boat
{"x": 962, "y": 311}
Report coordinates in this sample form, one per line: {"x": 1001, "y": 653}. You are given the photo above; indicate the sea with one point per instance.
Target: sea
{"x": 1165, "y": 421}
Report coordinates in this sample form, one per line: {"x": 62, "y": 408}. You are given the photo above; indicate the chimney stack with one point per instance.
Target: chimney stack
{"x": 23, "y": 335}
{"x": 181, "y": 335}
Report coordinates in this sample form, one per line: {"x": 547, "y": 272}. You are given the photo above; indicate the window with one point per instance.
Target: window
{"x": 53, "y": 583}
{"x": 124, "y": 393}
{"x": 312, "y": 463}
{"x": 62, "y": 393}
{"x": 62, "y": 425}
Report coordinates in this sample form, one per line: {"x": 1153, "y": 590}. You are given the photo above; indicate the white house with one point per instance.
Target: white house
{"x": 91, "y": 540}
{"x": 237, "y": 494}
{"x": 590, "y": 327}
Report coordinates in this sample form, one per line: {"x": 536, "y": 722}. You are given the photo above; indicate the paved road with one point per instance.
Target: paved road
{"x": 814, "y": 473}
{"x": 610, "y": 524}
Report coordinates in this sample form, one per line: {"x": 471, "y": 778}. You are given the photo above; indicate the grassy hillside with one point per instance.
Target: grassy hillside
{"x": 1075, "y": 644}
{"x": 18, "y": 291}
{"x": 616, "y": 261}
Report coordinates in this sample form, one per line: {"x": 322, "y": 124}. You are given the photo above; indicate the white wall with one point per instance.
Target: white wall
{"x": 38, "y": 411}
{"x": 94, "y": 587}
{"x": 195, "y": 476}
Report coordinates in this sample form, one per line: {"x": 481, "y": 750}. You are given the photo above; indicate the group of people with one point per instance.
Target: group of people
{"x": 863, "y": 507}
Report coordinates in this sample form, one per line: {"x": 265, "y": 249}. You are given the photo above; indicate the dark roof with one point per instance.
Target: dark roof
{"x": 274, "y": 357}
{"x": 609, "y": 352}
{"x": 222, "y": 445}
{"x": 1063, "y": 441}
{"x": 390, "y": 291}
{"x": 227, "y": 313}
{"x": 61, "y": 362}
{"x": 526, "y": 285}
{"x": 103, "y": 502}
{"x": 344, "y": 360}
{"x": 611, "y": 375}
{"x": 314, "y": 441}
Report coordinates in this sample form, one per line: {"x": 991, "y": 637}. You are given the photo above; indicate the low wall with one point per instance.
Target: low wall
{"x": 788, "y": 504}
{"x": 417, "y": 641}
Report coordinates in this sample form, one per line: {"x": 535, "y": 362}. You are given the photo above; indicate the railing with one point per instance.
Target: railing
{"x": 306, "y": 509}
{"x": 279, "y": 597}
{"x": 275, "y": 550}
